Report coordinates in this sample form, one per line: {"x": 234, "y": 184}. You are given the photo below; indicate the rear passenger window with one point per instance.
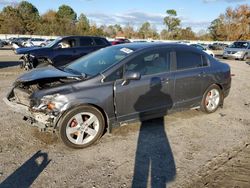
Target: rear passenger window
{"x": 86, "y": 41}
{"x": 99, "y": 42}
{"x": 187, "y": 60}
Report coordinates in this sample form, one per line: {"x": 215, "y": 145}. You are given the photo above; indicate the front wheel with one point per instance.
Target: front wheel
{"x": 212, "y": 99}
{"x": 81, "y": 127}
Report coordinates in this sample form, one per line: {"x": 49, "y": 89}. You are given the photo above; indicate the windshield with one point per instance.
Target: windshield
{"x": 53, "y": 42}
{"x": 239, "y": 45}
{"x": 99, "y": 61}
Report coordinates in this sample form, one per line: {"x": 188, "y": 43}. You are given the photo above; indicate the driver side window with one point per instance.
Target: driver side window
{"x": 68, "y": 43}
{"x": 115, "y": 75}
{"x": 150, "y": 63}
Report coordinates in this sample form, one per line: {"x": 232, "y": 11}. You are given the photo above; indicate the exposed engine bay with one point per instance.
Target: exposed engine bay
{"x": 39, "y": 112}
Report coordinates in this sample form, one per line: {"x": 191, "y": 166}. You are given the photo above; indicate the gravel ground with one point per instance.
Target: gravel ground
{"x": 185, "y": 149}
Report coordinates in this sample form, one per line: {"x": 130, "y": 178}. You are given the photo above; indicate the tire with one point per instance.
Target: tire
{"x": 72, "y": 129}
{"x": 210, "y": 104}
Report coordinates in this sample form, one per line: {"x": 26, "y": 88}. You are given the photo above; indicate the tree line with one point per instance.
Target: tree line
{"x": 24, "y": 18}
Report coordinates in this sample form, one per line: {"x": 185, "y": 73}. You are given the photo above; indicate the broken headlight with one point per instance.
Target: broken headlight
{"x": 53, "y": 103}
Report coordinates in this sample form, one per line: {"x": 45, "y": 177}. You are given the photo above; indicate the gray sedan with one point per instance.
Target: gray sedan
{"x": 118, "y": 85}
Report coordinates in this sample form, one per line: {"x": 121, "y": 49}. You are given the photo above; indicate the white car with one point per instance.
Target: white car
{"x": 209, "y": 52}
{"x": 35, "y": 42}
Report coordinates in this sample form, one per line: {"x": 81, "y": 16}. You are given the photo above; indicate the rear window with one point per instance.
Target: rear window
{"x": 99, "y": 42}
{"x": 188, "y": 60}
{"x": 86, "y": 41}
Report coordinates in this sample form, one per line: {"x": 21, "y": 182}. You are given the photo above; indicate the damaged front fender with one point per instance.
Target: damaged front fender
{"x": 37, "y": 119}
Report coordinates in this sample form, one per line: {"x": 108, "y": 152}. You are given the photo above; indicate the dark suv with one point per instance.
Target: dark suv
{"x": 61, "y": 51}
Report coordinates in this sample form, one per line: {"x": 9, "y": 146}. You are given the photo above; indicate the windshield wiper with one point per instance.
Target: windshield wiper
{"x": 66, "y": 69}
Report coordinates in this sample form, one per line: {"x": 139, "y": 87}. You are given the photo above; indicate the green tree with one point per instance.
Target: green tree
{"x": 171, "y": 20}
{"x": 128, "y": 31}
{"x": 145, "y": 31}
{"x": 82, "y": 25}
{"x": 29, "y": 15}
{"x": 215, "y": 29}
{"x": 66, "y": 20}
{"x": 13, "y": 25}
{"x": 49, "y": 23}
{"x": 66, "y": 12}
{"x": 110, "y": 31}
{"x": 234, "y": 24}
{"x": 186, "y": 34}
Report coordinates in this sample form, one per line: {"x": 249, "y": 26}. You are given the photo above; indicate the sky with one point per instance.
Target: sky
{"x": 196, "y": 14}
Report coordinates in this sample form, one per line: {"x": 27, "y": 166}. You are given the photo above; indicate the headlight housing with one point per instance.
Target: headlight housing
{"x": 52, "y": 103}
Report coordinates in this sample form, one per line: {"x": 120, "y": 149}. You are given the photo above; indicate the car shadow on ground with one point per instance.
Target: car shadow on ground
{"x": 154, "y": 160}
{"x": 25, "y": 175}
{"x": 5, "y": 64}
{"x": 248, "y": 62}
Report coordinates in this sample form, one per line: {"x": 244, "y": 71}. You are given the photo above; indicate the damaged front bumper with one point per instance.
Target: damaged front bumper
{"x": 45, "y": 122}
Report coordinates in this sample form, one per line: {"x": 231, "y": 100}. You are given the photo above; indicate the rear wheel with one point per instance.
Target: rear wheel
{"x": 212, "y": 99}
{"x": 81, "y": 127}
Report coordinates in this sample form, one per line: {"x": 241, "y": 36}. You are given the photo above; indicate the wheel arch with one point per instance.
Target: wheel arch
{"x": 104, "y": 114}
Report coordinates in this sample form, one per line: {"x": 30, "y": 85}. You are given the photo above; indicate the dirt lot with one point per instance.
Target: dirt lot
{"x": 185, "y": 149}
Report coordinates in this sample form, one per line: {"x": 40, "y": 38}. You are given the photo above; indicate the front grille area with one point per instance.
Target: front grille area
{"x": 231, "y": 52}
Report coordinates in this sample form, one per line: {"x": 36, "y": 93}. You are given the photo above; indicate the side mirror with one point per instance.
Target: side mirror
{"x": 128, "y": 76}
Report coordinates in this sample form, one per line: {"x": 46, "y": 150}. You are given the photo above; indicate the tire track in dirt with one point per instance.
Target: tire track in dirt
{"x": 226, "y": 170}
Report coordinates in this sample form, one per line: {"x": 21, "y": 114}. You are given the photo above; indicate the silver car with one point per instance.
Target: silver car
{"x": 238, "y": 50}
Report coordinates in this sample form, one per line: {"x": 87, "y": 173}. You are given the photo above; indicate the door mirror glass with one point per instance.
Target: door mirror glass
{"x": 132, "y": 76}
{"x": 128, "y": 76}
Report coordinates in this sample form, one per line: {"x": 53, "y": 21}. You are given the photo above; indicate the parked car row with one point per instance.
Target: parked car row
{"x": 25, "y": 42}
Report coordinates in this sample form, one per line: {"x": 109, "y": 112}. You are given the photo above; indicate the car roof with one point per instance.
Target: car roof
{"x": 78, "y": 36}
{"x": 138, "y": 46}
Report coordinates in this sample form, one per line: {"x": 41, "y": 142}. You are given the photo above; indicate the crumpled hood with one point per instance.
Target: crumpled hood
{"x": 45, "y": 73}
{"x": 28, "y": 49}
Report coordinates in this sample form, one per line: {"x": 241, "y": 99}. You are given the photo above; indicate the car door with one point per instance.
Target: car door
{"x": 151, "y": 96}
{"x": 188, "y": 75}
